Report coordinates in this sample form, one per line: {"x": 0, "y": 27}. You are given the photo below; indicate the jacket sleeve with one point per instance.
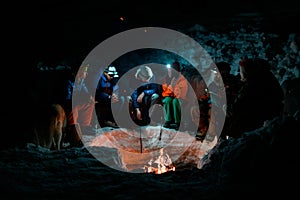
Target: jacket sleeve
{"x": 81, "y": 92}
{"x": 134, "y": 97}
{"x": 181, "y": 88}
{"x": 102, "y": 95}
{"x": 70, "y": 86}
{"x": 116, "y": 89}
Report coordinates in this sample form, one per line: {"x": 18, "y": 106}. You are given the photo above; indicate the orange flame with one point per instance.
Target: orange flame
{"x": 163, "y": 163}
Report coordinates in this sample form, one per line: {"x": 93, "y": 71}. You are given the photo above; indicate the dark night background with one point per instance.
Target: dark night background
{"x": 57, "y": 30}
{"x": 64, "y": 32}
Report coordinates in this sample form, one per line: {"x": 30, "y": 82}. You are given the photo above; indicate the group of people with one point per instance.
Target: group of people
{"x": 170, "y": 95}
{"x": 252, "y": 98}
{"x": 260, "y": 98}
{"x": 146, "y": 95}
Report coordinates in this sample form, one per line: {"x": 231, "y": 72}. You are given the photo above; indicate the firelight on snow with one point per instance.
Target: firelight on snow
{"x": 141, "y": 150}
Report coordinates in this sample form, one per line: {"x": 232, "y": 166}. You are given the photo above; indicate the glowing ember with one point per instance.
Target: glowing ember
{"x": 162, "y": 164}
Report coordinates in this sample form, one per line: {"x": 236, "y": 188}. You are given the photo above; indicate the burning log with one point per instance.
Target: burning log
{"x": 163, "y": 164}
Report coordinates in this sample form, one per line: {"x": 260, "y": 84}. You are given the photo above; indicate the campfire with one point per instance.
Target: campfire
{"x": 161, "y": 165}
{"x": 145, "y": 150}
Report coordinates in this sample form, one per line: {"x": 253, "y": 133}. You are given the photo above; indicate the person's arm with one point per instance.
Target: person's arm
{"x": 80, "y": 88}
{"x": 70, "y": 86}
{"x": 134, "y": 97}
{"x": 102, "y": 95}
{"x": 77, "y": 86}
{"x": 81, "y": 91}
{"x": 181, "y": 88}
{"x": 116, "y": 90}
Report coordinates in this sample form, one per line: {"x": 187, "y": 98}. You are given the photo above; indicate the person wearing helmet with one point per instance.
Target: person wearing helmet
{"x": 107, "y": 92}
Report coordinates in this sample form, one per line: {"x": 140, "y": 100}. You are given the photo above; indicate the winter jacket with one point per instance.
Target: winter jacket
{"x": 178, "y": 91}
{"x": 258, "y": 100}
{"x": 105, "y": 88}
{"x": 149, "y": 89}
{"x": 79, "y": 90}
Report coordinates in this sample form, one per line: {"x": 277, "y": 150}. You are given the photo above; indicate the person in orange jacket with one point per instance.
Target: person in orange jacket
{"x": 174, "y": 91}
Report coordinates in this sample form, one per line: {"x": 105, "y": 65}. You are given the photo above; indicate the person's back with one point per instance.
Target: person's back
{"x": 259, "y": 99}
